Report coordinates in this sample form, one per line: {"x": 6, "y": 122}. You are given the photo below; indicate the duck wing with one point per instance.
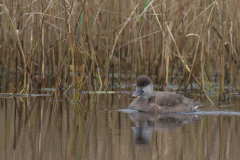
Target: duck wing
{"x": 166, "y": 99}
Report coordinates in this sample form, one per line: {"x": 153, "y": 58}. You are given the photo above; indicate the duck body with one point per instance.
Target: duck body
{"x": 159, "y": 102}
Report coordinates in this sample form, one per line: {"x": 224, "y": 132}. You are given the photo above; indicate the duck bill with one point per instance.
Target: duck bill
{"x": 138, "y": 92}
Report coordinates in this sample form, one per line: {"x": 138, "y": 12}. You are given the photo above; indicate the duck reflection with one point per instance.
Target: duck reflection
{"x": 148, "y": 122}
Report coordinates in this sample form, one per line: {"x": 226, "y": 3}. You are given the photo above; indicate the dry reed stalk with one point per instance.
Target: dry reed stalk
{"x": 166, "y": 54}
{"x": 23, "y": 71}
{"x": 28, "y": 85}
{"x": 162, "y": 44}
{"x": 162, "y": 27}
{"x": 16, "y": 39}
{"x": 202, "y": 50}
{"x": 202, "y": 67}
{"x": 73, "y": 50}
{"x": 80, "y": 82}
{"x": 214, "y": 3}
{"x": 116, "y": 39}
{"x": 43, "y": 53}
{"x": 16, "y": 60}
{"x": 175, "y": 66}
{"x": 194, "y": 59}
{"x": 178, "y": 52}
{"x": 136, "y": 29}
{"x": 61, "y": 67}
{"x": 15, "y": 32}
{"x": 208, "y": 52}
{"x": 95, "y": 60}
{"x": 222, "y": 55}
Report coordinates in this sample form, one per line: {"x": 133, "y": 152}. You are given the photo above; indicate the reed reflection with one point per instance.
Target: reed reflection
{"x": 146, "y": 123}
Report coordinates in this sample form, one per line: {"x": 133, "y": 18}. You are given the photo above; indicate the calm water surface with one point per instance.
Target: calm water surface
{"x": 39, "y": 128}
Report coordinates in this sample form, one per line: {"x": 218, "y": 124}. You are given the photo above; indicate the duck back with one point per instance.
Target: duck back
{"x": 164, "y": 102}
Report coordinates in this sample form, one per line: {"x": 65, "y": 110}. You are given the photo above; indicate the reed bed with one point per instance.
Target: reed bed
{"x": 86, "y": 43}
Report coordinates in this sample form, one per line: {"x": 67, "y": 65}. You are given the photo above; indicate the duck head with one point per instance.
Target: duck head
{"x": 144, "y": 87}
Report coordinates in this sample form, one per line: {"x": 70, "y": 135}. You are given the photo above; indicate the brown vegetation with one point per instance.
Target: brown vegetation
{"x": 195, "y": 41}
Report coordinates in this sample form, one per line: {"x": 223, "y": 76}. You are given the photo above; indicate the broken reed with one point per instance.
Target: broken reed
{"x": 173, "y": 42}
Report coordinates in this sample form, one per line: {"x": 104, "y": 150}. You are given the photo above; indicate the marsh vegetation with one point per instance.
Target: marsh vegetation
{"x": 89, "y": 45}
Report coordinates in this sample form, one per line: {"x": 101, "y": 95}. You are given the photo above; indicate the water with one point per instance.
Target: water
{"x": 39, "y": 128}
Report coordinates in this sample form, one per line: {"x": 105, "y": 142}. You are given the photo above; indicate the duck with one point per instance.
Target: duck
{"x": 148, "y": 100}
